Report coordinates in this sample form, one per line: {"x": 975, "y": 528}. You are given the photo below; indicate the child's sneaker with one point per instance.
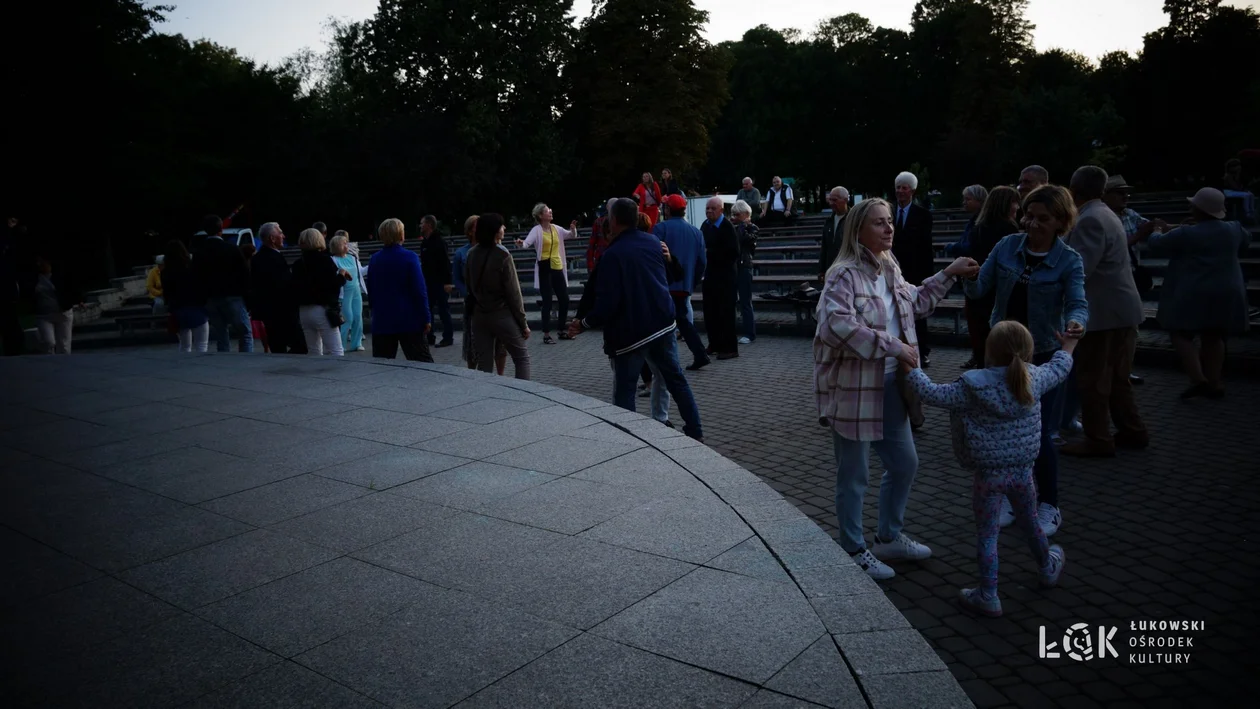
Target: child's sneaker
{"x": 1049, "y": 518}
{"x": 1053, "y": 569}
{"x": 974, "y": 599}
{"x": 902, "y": 547}
{"x": 1006, "y": 517}
{"x": 875, "y": 568}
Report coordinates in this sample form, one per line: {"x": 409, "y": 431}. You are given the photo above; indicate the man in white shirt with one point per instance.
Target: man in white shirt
{"x": 777, "y": 207}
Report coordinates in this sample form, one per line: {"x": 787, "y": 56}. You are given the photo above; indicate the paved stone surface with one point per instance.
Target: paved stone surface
{"x": 294, "y": 531}
{"x": 1150, "y": 535}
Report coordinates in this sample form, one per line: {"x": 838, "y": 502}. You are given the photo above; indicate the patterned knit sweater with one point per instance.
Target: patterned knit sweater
{"x": 992, "y": 432}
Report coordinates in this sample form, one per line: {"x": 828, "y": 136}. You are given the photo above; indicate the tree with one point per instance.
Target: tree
{"x": 844, "y": 30}
{"x": 649, "y": 90}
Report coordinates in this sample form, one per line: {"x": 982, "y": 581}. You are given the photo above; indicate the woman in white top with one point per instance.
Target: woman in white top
{"x": 551, "y": 274}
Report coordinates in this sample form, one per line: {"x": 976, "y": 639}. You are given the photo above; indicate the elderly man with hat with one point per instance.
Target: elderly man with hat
{"x": 833, "y": 230}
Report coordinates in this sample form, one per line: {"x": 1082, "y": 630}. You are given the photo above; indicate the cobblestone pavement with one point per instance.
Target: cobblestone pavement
{"x": 1161, "y": 534}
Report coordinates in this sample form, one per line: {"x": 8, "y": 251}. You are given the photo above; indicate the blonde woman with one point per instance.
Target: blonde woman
{"x": 400, "y": 298}
{"x": 865, "y": 327}
{"x": 551, "y": 276}
{"x": 317, "y": 281}
{"x": 351, "y": 292}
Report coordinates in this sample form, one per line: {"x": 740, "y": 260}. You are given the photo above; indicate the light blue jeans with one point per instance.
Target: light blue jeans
{"x": 352, "y": 310}
{"x": 660, "y": 395}
{"x": 900, "y": 460}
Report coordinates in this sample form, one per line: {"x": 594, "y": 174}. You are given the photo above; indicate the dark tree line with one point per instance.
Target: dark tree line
{"x": 119, "y": 134}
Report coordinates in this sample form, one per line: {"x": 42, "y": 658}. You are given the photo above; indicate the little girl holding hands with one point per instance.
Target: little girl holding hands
{"x": 995, "y": 424}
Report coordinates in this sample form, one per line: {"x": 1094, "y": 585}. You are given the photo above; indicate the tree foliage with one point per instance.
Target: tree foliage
{"x": 457, "y": 106}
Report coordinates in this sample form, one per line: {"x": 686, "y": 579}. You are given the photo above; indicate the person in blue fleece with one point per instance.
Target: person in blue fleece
{"x": 995, "y": 424}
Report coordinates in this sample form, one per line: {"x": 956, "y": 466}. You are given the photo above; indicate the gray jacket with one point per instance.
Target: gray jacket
{"x": 1113, "y": 296}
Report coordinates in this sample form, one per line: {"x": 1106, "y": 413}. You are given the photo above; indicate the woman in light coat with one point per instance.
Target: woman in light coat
{"x": 351, "y": 293}
{"x": 865, "y": 327}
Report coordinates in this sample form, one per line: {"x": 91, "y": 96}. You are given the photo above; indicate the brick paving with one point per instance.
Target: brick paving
{"x": 1160, "y": 534}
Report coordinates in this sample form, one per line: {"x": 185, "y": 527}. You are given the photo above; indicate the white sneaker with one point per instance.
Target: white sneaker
{"x": 360, "y": 348}
{"x": 745, "y": 341}
{"x": 872, "y": 566}
{"x": 1006, "y": 517}
{"x": 1049, "y": 518}
{"x": 902, "y": 547}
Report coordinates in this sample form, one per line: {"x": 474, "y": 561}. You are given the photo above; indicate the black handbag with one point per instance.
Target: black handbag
{"x": 333, "y": 313}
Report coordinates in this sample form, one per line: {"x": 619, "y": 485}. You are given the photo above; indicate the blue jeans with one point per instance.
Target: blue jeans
{"x": 227, "y": 314}
{"x": 684, "y": 318}
{"x": 352, "y": 309}
{"x": 743, "y": 286}
{"x": 660, "y": 395}
{"x": 901, "y": 461}
{"x": 661, "y": 355}
{"x": 1046, "y": 469}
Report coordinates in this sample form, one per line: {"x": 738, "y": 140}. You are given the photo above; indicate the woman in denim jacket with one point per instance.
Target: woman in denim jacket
{"x": 1039, "y": 281}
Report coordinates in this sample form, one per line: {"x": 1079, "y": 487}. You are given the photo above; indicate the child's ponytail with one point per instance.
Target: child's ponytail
{"x": 1019, "y": 382}
{"x": 1010, "y": 345}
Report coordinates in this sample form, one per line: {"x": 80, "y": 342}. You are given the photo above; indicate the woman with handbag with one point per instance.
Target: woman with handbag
{"x": 317, "y": 283}
{"x": 865, "y": 327}
{"x": 551, "y": 273}
{"x": 1038, "y": 280}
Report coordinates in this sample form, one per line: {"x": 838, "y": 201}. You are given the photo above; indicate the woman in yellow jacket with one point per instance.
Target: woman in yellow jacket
{"x": 153, "y": 284}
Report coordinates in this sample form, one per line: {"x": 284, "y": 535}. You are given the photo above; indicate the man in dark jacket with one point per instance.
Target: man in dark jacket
{"x": 221, "y": 269}
{"x": 633, "y": 306}
{"x": 269, "y": 286}
{"x": 912, "y": 247}
{"x": 436, "y": 263}
{"x": 721, "y": 248}
{"x": 833, "y": 230}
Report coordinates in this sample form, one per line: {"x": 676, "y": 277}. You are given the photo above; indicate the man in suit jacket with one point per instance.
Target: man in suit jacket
{"x": 1105, "y": 355}
{"x": 912, "y": 247}
{"x": 833, "y": 230}
{"x": 722, "y": 254}
{"x": 221, "y": 269}
{"x": 272, "y": 300}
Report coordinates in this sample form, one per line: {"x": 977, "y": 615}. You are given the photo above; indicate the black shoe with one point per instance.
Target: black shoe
{"x": 970, "y": 364}
{"x": 1201, "y": 389}
{"x": 728, "y": 355}
{"x": 696, "y": 365}
{"x": 669, "y": 423}
{"x": 445, "y": 343}
{"x": 1136, "y": 379}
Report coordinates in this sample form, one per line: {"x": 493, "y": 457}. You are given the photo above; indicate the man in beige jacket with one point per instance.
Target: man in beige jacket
{"x": 1105, "y": 355}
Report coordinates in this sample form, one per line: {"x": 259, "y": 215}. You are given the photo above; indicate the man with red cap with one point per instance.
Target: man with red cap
{"x": 686, "y": 244}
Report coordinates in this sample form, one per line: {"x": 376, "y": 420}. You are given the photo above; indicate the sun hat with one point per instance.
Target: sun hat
{"x": 1116, "y": 182}
{"x": 1210, "y": 201}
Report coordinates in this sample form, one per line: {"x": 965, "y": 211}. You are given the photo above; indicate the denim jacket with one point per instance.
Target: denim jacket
{"x": 1056, "y": 290}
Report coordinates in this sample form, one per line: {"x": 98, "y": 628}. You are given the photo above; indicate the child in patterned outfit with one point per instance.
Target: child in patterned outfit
{"x": 995, "y": 422}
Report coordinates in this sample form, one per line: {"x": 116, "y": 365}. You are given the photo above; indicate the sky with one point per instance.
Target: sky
{"x": 269, "y": 30}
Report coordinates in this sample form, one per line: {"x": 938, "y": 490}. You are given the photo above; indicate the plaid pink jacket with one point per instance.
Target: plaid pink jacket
{"x": 852, "y": 342}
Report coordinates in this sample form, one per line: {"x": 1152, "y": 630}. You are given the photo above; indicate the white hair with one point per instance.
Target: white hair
{"x": 908, "y": 179}
{"x": 840, "y": 192}
{"x": 977, "y": 192}
{"x": 741, "y": 207}
{"x": 746, "y": 179}
{"x": 265, "y": 230}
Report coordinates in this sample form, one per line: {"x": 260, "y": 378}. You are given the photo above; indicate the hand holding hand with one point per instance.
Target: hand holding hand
{"x": 1075, "y": 329}
{"x": 1067, "y": 342}
{"x": 963, "y": 266}
{"x": 909, "y": 357}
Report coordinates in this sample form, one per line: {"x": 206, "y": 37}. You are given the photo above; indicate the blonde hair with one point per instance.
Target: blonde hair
{"x": 742, "y": 208}
{"x": 850, "y": 248}
{"x": 538, "y": 210}
{"x": 391, "y": 232}
{"x": 470, "y": 226}
{"x": 336, "y": 242}
{"x": 1058, "y": 201}
{"x": 311, "y": 240}
{"x": 1010, "y": 345}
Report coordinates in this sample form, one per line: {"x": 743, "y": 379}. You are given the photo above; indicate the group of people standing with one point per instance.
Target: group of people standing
{"x": 1050, "y": 285}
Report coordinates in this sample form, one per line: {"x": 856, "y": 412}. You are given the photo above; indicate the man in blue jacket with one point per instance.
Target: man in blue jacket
{"x": 399, "y": 298}
{"x": 686, "y": 244}
{"x": 634, "y": 307}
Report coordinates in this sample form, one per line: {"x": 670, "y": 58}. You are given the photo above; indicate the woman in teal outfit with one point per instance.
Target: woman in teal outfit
{"x": 351, "y": 293}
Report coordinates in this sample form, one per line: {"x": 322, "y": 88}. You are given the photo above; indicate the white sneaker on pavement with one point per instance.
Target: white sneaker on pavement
{"x": 1006, "y": 517}
{"x": 745, "y": 341}
{"x": 872, "y": 566}
{"x": 1054, "y": 567}
{"x": 1049, "y": 518}
{"x": 902, "y": 547}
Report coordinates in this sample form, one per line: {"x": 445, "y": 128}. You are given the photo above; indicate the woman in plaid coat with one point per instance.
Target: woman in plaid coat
{"x": 865, "y": 326}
